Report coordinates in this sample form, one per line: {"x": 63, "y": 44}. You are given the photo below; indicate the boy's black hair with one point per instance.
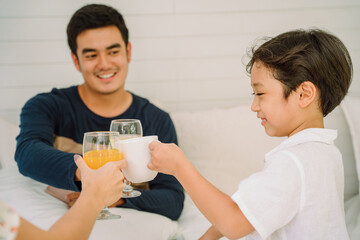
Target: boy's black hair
{"x": 308, "y": 55}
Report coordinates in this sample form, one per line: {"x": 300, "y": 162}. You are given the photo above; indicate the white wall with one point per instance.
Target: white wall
{"x": 187, "y": 54}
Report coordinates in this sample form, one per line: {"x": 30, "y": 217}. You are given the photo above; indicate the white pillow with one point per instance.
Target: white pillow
{"x": 225, "y": 145}
{"x": 8, "y": 131}
{"x": 351, "y": 108}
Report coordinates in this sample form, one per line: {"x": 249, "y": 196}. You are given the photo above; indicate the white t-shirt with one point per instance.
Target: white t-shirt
{"x": 300, "y": 192}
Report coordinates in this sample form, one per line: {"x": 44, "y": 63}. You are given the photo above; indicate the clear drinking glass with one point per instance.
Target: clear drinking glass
{"x": 127, "y": 128}
{"x": 98, "y": 149}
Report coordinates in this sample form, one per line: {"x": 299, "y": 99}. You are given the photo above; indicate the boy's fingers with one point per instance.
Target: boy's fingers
{"x": 153, "y": 145}
{"x": 150, "y": 166}
{"x": 120, "y": 164}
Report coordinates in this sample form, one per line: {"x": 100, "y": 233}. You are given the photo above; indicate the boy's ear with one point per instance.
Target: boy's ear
{"x": 307, "y": 93}
{"x": 76, "y": 62}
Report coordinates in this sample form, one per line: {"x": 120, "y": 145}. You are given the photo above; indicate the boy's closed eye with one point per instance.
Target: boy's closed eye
{"x": 257, "y": 94}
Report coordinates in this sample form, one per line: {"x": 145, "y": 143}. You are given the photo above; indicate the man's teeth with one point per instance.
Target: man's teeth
{"x": 106, "y": 75}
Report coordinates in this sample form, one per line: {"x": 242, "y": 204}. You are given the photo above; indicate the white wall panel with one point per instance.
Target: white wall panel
{"x": 265, "y": 22}
{"x": 187, "y": 54}
{"x": 273, "y": 22}
{"x": 30, "y": 29}
{"x": 152, "y": 71}
{"x": 190, "y": 91}
{"x": 54, "y": 28}
{"x": 34, "y": 52}
{"x": 355, "y": 85}
{"x": 187, "y": 69}
{"x": 213, "y": 46}
{"x": 204, "y": 6}
{"x": 153, "y": 48}
{"x": 37, "y": 8}
{"x": 12, "y": 115}
{"x": 50, "y": 8}
{"x": 142, "y": 26}
{"x": 31, "y": 75}
{"x": 215, "y": 68}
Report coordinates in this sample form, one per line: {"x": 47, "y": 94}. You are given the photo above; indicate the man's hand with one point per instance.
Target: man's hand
{"x": 72, "y": 197}
{"x": 120, "y": 202}
{"x": 77, "y": 175}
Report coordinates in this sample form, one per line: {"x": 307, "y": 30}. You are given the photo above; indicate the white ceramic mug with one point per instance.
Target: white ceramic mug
{"x": 136, "y": 152}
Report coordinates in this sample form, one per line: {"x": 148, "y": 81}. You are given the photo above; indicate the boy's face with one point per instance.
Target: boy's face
{"x": 102, "y": 59}
{"x": 278, "y": 115}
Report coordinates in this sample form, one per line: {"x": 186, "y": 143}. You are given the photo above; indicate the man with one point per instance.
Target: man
{"x": 53, "y": 124}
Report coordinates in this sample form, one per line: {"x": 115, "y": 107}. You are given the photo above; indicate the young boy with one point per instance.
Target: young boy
{"x": 298, "y": 78}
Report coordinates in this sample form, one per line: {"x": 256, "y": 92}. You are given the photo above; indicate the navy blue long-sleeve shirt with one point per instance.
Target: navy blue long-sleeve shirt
{"x": 52, "y": 126}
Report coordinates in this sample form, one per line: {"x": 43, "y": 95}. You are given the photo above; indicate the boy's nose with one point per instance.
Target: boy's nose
{"x": 254, "y": 106}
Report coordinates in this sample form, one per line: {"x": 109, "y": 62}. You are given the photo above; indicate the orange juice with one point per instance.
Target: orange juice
{"x": 98, "y": 158}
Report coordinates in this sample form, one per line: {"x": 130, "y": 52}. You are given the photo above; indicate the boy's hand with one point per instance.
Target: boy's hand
{"x": 165, "y": 157}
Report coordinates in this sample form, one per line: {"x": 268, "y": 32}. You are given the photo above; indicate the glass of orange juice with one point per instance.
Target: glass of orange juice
{"x": 99, "y": 148}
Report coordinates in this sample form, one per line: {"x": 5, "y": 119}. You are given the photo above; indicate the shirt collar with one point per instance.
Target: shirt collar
{"x": 307, "y": 135}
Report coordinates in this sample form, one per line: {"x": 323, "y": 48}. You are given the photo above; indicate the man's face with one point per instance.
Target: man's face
{"x": 102, "y": 59}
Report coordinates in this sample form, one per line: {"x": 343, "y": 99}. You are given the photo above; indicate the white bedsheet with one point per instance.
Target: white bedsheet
{"x": 28, "y": 198}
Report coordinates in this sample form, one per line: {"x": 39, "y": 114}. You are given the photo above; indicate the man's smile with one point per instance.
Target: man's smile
{"x": 106, "y": 76}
